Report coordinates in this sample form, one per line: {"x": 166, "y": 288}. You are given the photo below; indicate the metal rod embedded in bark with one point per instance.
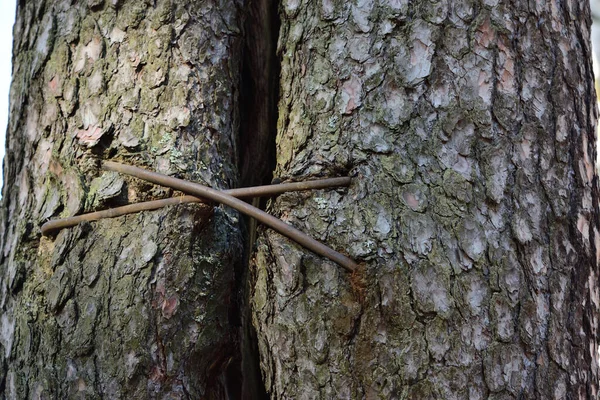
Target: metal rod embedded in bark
{"x": 245, "y": 208}
{"x": 57, "y": 224}
{"x": 255, "y": 191}
{"x": 224, "y": 197}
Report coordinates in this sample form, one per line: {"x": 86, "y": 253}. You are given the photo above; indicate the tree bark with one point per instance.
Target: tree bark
{"x": 142, "y": 306}
{"x": 469, "y": 128}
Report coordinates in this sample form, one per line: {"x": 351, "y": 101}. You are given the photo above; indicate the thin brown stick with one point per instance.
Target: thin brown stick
{"x": 220, "y": 197}
{"x": 255, "y": 191}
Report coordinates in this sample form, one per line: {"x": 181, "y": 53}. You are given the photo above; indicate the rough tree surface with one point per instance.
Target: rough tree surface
{"x": 469, "y": 126}
{"x": 140, "y": 306}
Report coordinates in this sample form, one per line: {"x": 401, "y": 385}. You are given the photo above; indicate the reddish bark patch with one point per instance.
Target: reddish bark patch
{"x": 485, "y": 33}
{"x": 411, "y": 200}
{"x": 157, "y": 374}
{"x": 169, "y": 306}
{"x": 53, "y": 84}
{"x": 351, "y": 94}
{"x": 90, "y": 136}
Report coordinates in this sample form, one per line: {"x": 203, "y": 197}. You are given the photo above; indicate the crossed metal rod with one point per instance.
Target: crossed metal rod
{"x": 227, "y": 197}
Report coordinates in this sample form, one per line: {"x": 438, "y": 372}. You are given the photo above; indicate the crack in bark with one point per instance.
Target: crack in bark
{"x": 256, "y": 160}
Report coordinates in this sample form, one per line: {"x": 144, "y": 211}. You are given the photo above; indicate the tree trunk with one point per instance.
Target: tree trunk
{"x": 142, "y": 306}
{"x": 469, "y": 129}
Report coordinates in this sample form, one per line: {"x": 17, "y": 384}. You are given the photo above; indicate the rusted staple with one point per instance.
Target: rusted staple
{"x": 227, "y": 198}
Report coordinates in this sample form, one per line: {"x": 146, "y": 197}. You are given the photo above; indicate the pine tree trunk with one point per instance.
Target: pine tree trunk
{"x": 469, "y": 129}
{"x": 141, "y": 306}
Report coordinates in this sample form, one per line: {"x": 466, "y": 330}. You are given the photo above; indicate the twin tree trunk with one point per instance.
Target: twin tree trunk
{"x": 468, "y": 127}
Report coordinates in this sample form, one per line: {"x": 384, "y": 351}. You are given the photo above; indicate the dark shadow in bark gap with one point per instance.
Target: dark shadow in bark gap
{"x": 259, "y": 93}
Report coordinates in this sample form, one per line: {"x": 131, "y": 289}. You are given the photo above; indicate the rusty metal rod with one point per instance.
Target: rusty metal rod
{"x": 254, "y": 191}
{"x": 220, "y": 197}
{"x": 227, "y": 199}
{"x": 245, "y": 208}
{"x": 57, "y": 224}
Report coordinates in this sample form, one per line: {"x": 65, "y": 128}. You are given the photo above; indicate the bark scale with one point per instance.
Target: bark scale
{"x": 469, "y": 126}
{"x": 141, "y": 306}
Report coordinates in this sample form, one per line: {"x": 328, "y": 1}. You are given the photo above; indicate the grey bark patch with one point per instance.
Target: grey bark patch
{"x": 431, "y": 289}
{"x": 59, "y": 288}
{"x": 105, "y": 187}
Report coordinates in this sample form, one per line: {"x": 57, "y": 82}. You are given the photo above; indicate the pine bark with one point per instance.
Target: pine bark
{"x": 469, "y": 127}
{"x": 142, "y": 306}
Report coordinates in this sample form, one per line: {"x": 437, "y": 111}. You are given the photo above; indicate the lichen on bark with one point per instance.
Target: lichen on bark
{"x": 142, "y": 306}
{"x": 469, "y": 128}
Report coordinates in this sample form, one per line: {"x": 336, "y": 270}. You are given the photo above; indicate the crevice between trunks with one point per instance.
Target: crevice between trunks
{"x": 256, "y": 160}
